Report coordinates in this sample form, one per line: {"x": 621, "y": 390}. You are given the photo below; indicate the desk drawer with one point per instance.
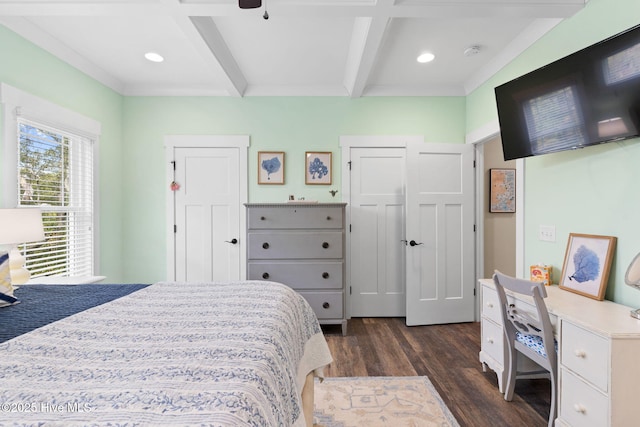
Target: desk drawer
{"x": 491, "y": 305}
{"x": 581, "y": 405}
{"x": 493, "y": 340}
{"x": 295, "y": 245}
{"x": 326, "y": 305}
{"x": 298, "y": 275}
{"x": 292, "y": 217}
{"x": 586, "y": 354}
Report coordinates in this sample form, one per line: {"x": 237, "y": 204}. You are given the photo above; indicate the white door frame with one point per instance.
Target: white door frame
{"x": 478, "y": 138}
{"x": 363, "y": 141}
{"x": 171, "y": 142}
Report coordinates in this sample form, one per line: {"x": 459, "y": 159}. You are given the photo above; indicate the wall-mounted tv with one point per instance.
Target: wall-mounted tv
{"x": 589, "y": 97}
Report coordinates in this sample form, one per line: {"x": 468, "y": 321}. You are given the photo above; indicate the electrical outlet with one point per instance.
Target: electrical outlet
{"x": 547, "y": 233}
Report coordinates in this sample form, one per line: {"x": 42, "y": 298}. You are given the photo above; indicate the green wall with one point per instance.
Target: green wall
{"x": 30, "y": 69}
{"x": 591, "y": 191}
{"x": 290, "y": 124}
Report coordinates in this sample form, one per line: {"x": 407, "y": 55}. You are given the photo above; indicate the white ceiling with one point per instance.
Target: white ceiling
{"x": 306, "y": 48}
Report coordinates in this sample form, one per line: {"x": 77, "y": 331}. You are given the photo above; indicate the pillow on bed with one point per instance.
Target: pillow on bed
{"x": 6, "y": 289}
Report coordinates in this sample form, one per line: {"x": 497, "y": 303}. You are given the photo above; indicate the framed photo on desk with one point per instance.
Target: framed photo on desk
{"x": 587, "y": 263}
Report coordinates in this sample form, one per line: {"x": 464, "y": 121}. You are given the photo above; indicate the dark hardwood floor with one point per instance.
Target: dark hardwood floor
{"x": 448, "y": 355}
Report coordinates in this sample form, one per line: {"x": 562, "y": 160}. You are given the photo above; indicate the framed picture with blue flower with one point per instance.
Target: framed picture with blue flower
{"x": 317, "y": 168}
{"x": 587, "y": 263}
{"x": 271, "y": 167}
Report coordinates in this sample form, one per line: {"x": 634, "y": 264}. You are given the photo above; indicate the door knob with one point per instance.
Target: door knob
{"x": 232, "y": 241}
{"x": 414, "y": 243}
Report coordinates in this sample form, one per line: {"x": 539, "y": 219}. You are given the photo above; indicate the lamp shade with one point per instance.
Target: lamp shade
{"x": 21, "y": 225}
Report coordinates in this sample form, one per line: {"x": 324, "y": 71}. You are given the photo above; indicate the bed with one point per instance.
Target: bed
{"x": 221, "y": 354}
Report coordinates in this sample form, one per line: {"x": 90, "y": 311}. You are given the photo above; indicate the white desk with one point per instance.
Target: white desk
{"x": 599, "y": 355}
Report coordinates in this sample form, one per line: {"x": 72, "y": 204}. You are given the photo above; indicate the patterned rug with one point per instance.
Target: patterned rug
{"x": 379, "y": 401}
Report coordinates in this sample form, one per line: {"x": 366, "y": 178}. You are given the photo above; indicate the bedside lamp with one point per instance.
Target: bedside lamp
{"x": 20, "y": 225}
{"x": 632, "y": 278}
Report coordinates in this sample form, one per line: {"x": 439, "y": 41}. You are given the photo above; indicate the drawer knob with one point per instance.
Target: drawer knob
{"x": 265, "y": 275}
{"x": 325, "y": 275}
{"x": 326, "y": 305}
{"x": 490, "y": 340}
{"x": 325, "y": 245}
{"x": 328, "y": 218}
{"x": 579, "y": 408}
{"x": 262, "y": 218}
{"x": 490, "y": 304}
{"x": 265, "y": 245}
{"x": 581, "y": 354}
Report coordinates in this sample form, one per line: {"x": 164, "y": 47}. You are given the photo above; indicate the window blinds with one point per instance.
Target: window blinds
{"x": 55, "y": 172}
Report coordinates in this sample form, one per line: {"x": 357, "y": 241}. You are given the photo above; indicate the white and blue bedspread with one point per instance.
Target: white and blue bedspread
{"x": 220, "y": 354}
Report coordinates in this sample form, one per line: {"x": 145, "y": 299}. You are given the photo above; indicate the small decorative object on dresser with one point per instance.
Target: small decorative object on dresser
{"x": 271, "y": 167}
{"x": 317, "y": 168}
{"x": 303, "y": 246}
{"x": 586, "y": 264}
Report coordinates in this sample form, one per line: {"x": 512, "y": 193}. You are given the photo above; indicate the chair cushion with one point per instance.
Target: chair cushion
{"x": 534, "y": 342}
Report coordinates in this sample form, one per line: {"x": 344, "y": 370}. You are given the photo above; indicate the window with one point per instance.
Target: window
{"x": 49, "y": 162}
{"x": 55, "y": 172}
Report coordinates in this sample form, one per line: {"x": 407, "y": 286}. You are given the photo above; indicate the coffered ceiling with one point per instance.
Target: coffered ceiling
{"x": 350, "y": 48}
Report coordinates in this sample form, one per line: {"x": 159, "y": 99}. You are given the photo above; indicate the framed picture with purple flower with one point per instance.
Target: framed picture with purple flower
{"x": 317, "y": 168}
{"x": 270, "y": 167}
{"x": 586, "y": 264}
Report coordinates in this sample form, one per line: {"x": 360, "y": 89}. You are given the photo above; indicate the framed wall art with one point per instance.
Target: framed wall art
{"x": 318, "y": 168}
{"x": 503, "y": 190}
{"x": 271, "y": 167}
{"x": 586, "y": 264}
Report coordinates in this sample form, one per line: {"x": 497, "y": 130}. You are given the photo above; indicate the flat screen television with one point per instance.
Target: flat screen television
{"x": 589, "y": 97}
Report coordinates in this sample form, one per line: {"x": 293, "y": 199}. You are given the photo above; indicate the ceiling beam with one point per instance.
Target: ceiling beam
{"x": 402, "y": 9}
{"x": 366, "y": 41}
{"x": 235, "y": 82}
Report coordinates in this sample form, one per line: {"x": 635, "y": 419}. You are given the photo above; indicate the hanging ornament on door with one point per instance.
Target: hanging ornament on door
{"x": 174, "y": 186}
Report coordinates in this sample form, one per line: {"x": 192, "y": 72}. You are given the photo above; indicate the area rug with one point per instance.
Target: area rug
{"x": 379, "y": 401}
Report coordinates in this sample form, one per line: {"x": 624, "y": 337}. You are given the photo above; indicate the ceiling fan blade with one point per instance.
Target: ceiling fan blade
{"x": 249, "y": 4}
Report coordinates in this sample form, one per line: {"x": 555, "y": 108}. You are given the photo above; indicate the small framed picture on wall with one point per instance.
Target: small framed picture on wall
{"x": 318, "y": 168}
{"x": 503, "y": 190}
{"x": 271, "y": 167}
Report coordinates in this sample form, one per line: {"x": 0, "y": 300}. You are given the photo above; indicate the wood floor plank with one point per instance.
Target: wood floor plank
{"x": 448, "y": 355}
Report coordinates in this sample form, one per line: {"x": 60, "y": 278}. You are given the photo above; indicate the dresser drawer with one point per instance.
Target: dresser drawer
{"x": 491, "y": 305}
{"x": 581, "y": 405}
{"x": 292, "y": 217}
{"x": 295, "y": 245}
{"x": 586, "y": 354}
{"x": 298, "y": 275}
{"x": 493, "y": 340}
{"x": 327, "y": 305}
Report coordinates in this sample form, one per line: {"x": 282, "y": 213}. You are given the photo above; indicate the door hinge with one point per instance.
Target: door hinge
{"x": 474, "y": 164}
{"x": 349, "y": 163}
{"x": 349, "y": 290}
{"x": 474, "y": 291}
{"x": 349, "y": 228}
{"x": 173, "y": 162}
{"x": 474, "y": 228}
{"x": 175, "y": 228}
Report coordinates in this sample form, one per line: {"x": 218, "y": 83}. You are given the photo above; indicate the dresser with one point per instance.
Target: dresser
{"x": 598, "y": 349}
{"x": 303, "y": 246}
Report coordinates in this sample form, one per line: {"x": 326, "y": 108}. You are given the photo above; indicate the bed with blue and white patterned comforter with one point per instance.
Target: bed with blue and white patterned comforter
{"x": 220, "y": 354}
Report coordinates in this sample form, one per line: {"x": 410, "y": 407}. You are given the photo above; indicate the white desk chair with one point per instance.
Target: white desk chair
{"x": 529, "y": 335}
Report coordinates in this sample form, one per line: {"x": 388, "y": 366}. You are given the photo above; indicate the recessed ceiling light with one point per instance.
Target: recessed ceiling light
{"x": 426, "y": 57}
{"x": 153, "y": 57}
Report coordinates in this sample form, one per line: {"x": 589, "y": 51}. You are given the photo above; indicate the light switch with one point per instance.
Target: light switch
{"x": 547, "y": 233}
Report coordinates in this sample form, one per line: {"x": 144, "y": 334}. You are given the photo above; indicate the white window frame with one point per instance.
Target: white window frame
{"x": 16, "y": 102}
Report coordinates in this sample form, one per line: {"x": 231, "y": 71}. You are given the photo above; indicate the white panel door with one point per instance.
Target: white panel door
{"x": 207, "y": 214}
{"x": 440, "y": 234}
{"x": 377, "y": 210}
